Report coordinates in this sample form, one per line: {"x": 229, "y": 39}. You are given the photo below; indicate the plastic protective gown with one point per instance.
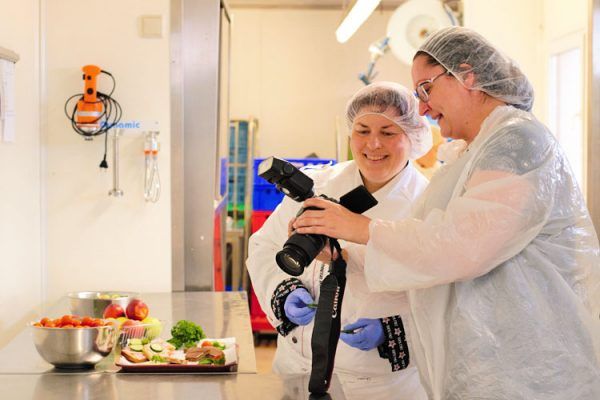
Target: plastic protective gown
{"x": 503, "y": 265}
{"x": 362, "y": 373}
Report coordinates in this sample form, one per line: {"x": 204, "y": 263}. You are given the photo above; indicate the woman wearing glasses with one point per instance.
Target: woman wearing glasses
{"x": 500, "y": 257}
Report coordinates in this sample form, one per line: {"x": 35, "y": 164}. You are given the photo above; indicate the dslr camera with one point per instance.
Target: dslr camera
{"x": 301, "y": 249}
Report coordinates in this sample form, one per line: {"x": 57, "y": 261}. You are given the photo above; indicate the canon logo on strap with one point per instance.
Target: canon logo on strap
{"x": 335, "y": 303}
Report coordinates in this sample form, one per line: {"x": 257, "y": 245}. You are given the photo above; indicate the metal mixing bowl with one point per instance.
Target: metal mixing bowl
{"x": 74, "y": 347}
{"x": 93, "y": 304}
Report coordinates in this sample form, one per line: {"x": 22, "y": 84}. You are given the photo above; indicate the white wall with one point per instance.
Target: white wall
{"x": 20, "y": 205}
{"x": 290, "y": 72}
{"x": 527, "y": 31}
{"x": 564, "y": 17}
{"x": 566, "y": 28}
{"x": 97, "y": 242}
{"x": 533, "y": 30}
{"x": 516, "y": 27}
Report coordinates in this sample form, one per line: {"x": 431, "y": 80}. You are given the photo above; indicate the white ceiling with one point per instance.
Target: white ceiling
{"x": 332, "y": 4}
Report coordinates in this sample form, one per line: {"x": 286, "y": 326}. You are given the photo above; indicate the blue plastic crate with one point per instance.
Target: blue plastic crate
{"x": 243, "y": 133}
{"x": 223, "y": 177}
{"x": 239, "y": 173}
{"x": 266, "y": 197}
{"x": 242, "y": 143}
{"x": 237, "y": 199}
{"x": 242, "y": 154}
{"x": 240, "y": 185}
{"x": 240, "y": 198}
{"x": 241, "y": 157}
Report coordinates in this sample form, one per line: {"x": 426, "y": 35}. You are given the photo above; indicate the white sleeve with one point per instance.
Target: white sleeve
{"x": 501, "y": 211}
{"x": 355, "y": 256}
{"x": 368, "y": 303}
{"x": 264, "y": 272}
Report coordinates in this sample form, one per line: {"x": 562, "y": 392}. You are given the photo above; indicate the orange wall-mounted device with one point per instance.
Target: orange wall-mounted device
{"x": 90, "y": 111}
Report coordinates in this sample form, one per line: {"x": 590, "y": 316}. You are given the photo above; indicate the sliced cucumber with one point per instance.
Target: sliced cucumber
{"x": 218, "y": 345}
{"x": 156, "y": 347}
{"x": 136, "y": 347}
{"x": 145, "y": 341}
{"x": 135, "y": 341}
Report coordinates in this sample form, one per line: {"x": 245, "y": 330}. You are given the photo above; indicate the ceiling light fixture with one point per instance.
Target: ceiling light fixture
{"x": 358, "y": 14}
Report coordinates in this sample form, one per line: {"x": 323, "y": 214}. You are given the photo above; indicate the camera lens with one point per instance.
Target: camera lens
{"x": 298, "y": 252}
{"x": 291, "y": 261}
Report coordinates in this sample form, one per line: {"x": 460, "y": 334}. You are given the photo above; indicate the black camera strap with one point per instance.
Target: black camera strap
{"x": 327, "y": 325}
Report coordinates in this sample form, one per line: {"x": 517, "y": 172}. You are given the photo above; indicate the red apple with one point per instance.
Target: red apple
{"x": 132, "y": 329}
{"x": 137, "y": 310}
{"x": 113, "y": 311}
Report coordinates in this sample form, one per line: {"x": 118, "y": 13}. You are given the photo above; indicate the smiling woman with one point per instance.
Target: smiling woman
{"x": 386, "y": 131}
{"x": 380, "y": 148}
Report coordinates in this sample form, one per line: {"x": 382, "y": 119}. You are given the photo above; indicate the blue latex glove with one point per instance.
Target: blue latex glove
{"x": 368, "y": 334}
{"x": 296, "y": 308}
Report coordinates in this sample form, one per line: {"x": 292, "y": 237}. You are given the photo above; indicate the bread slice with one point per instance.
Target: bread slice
{"x": 149, "y": 352}
{"x": 134, "y": 356}
{"x": 175, "y": 356}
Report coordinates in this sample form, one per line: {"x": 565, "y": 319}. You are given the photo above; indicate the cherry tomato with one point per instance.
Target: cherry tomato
{"x": 66, "y": 320}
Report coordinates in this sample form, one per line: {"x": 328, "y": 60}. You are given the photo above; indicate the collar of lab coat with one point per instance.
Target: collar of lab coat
{"x": 398, "y": 183}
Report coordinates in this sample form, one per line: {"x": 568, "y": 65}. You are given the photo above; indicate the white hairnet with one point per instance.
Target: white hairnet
{"x": 397, "y": 104}
{"x": 495, "y": 74}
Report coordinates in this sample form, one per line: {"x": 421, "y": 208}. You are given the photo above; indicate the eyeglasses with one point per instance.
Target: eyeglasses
{"x": 423, "y": 88}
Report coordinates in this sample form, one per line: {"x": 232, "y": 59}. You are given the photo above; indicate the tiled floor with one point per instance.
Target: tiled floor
{"x": 265, "y": 351}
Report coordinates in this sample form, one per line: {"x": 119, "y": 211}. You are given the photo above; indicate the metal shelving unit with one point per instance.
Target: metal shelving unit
{"x": 239, "y": 208}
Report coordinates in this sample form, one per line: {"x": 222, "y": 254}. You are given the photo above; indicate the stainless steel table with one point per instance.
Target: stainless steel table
{"x": 25, "y": 375}
{"x": 148, "y": 387}
{"x": 220, "y": 314}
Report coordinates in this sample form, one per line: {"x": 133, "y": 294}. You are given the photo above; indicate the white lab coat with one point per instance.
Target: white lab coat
{"x": 501, "y": 263}
{"x": 356, "y": 369}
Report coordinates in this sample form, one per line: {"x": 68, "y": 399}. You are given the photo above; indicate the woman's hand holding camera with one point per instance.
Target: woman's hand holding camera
{"x": 325, "y": 255}
{"x": 332, "y": 220}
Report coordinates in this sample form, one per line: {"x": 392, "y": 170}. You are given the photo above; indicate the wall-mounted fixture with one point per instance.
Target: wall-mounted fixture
{"x": 95, "y": 113}
{"x": 413, "y": 21}
{"x": 360, "y": 10}
{"x": 8, "y": 55}
{"x": 8, "y": 58}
